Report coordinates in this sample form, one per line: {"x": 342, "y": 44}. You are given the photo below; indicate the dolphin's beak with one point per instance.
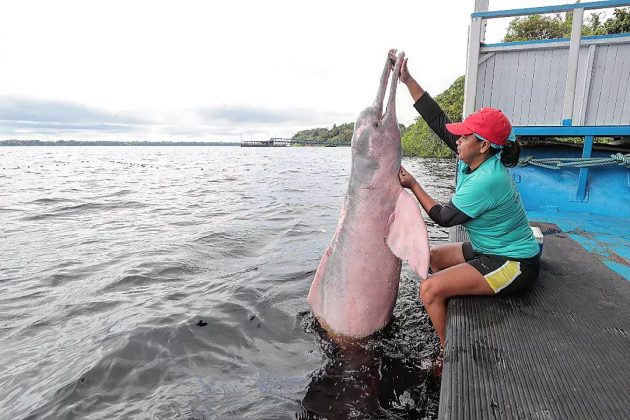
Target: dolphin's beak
{"x": 390, "y": 112}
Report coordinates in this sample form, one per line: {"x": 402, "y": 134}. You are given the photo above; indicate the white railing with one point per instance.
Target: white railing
{"x": 477, "y": 34}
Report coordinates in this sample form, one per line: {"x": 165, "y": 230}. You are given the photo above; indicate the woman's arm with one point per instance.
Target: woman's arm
{"x": 444, "y": 215}
{"x": 428, "y": 108}
{"x": 408, "y": 181}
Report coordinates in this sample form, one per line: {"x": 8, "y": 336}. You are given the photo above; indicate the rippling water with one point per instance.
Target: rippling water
{"x": 166, "y": 282}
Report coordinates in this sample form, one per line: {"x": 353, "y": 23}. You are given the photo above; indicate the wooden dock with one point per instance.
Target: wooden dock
{"x": 284, "y": 142}
{"x": 557, "y": 351}
{"x": 265, "y": 143}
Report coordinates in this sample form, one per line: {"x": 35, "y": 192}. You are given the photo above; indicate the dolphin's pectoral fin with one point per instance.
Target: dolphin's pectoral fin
{"x": 407, "y": 236}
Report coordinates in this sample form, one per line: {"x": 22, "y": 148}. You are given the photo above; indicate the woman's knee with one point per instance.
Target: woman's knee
{"x": 428, "y": 291}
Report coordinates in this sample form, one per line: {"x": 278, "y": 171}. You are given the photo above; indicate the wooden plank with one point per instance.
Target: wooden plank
{"x": 596, "y": 86}
{"x": 496, "y": 80}
{"x": 622, "y": 113}
{"x": 541, "y": 87}
{"x": 618, "y": 84}
{"x": 560, "y": 57}
{"x": 526, "y": 94}
{"x": 574, "y": 51}
{"x": 488, "y": 82}
{"x": 555, "y": 92}
{"x": 510, "y": 88}
{"x": 551, "y": 95}
{"x": 609, "y": 70}
{"x": 518, "y": 74}
{"x": 585, "y": 83}
{"x": 481, "y": 83}
{"x": 610, "y": 87}
{"x": 484, "y": 79}
{"x": 579, "y": 85}
{"x": 502, "y": 94}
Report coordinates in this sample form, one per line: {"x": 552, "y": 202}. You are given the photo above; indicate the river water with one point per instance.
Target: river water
{"x": 171, "y": 282}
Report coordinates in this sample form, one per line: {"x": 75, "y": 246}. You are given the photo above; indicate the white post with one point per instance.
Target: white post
{"x": 586, "y": 87}
{"x": 572, "y": 67}
{"x": 475, "y": 37}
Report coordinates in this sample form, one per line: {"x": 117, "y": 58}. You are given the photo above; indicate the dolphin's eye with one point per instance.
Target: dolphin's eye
{"x": 375, "y": 125}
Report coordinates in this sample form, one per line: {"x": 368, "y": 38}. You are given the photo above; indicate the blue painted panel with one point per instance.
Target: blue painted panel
{"x": 551, "y": 9}
{"x": 579, "y": 131}
{"x": 607, "y": 192}
{"x": 601, "y": 223}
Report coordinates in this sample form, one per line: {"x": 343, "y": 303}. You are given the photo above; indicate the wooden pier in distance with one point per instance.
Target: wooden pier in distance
{"x": 283, "y": 142}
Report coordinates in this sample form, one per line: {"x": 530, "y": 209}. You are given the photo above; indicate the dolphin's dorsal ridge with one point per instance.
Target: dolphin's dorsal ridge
{"x": 407, "y": 235}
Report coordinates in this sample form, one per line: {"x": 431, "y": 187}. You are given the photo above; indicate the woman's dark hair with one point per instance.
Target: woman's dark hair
{"x": 510, "y": 153}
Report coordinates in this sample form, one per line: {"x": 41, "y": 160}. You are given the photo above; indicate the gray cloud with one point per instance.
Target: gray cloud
{"x": 24, "y": 114}
{"x": 259, "y": 115}
{"x": 20, "y": 117}
{"x": 15, "y": 127}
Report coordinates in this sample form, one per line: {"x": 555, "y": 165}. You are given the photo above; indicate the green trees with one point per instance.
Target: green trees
{"x": 619, "y": 23}
{"x": 338, "y": 134}
{"x": 536, "y": 27}
{"x": 420, "y": 140}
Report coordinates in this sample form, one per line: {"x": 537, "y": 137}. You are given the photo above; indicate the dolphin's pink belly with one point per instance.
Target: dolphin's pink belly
{"x": 355, "y": 287}
{"x": 356, "y": 284}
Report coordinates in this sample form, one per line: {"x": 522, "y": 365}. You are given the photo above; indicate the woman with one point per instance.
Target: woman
{"x": 502, "y": 256}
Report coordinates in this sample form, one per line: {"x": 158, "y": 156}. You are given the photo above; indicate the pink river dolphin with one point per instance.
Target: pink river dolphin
{"x": 356, "y": 284}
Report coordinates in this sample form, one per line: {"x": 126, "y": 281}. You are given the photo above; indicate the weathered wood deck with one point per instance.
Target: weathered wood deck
{"x": 557, "y": 351}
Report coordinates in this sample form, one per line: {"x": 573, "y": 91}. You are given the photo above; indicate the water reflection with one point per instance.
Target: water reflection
{"x": 387, "y": 375}
{"x": 366, "y": 380}
{"x": 172, "y": 291}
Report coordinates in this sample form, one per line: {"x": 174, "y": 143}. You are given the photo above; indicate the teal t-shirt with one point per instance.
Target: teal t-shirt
{"x": 499, "y": 225}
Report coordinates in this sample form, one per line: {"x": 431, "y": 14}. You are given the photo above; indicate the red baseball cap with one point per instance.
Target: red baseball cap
{"x": 489, "y": 123}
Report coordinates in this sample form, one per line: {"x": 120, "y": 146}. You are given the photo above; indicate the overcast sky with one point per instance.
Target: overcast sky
{"x": 217, "y": 70}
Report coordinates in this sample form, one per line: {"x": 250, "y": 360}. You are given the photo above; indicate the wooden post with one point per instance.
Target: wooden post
{"x": 586, "y": 86}
{"x": 475, "y": 37}
{"x": 572, "y": 67}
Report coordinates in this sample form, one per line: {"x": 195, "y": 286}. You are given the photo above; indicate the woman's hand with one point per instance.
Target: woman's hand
{"x": 406, "y": 179}
{"x": 405, "y": 76}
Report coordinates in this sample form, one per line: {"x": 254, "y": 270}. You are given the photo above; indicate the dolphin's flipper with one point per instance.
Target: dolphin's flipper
{"x": 406, "y": 234}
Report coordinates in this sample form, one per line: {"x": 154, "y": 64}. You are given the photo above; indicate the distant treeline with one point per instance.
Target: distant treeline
{"x": 338, "y": 135}
{"x": 113, "y": 143}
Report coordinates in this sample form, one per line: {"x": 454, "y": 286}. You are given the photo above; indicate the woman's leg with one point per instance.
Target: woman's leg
{"x": 459, "y": 280}
{"x": 443, "y": 256}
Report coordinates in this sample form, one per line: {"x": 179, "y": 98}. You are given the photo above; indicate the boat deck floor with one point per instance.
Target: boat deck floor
{"x": 557, "y": 351}
{"x": 607, "y": 237}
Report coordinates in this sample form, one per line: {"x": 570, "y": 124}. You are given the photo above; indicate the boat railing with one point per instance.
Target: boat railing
{"x": 567, "y": 87}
